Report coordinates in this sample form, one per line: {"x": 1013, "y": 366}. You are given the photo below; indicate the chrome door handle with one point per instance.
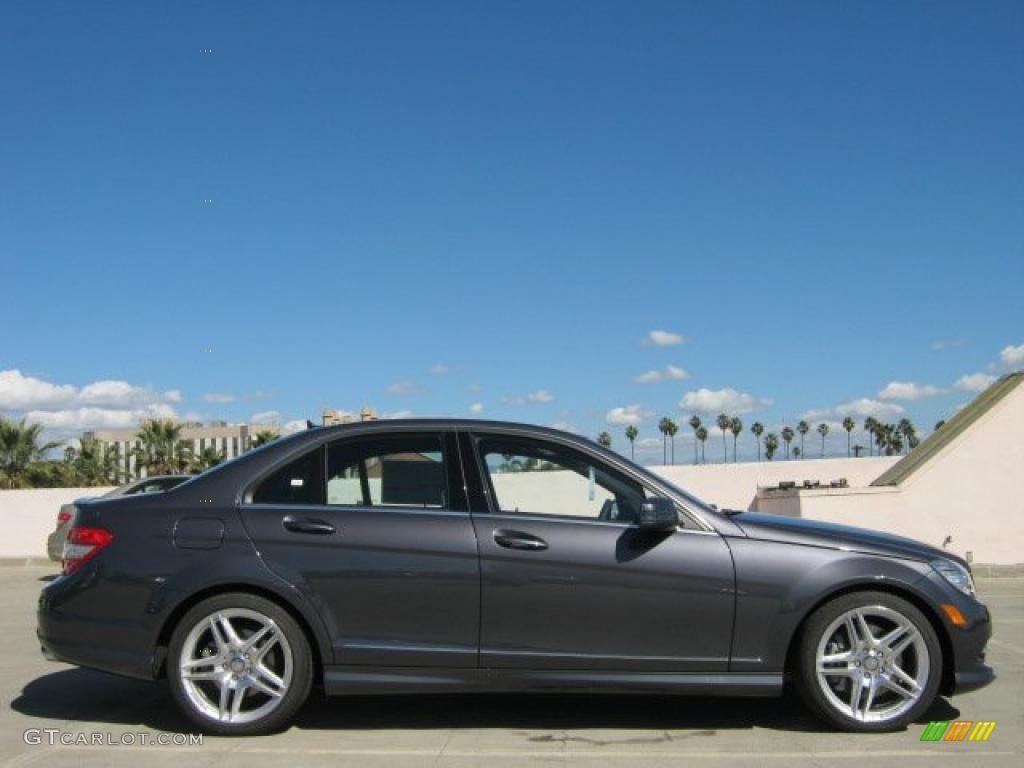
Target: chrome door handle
{"x": 519, "y": 540}
{"x": 307, "y": 525}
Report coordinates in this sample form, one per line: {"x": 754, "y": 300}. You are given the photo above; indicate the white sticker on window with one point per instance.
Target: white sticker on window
{"x": 297, "y": 482}
{"x": 590, "y": 487}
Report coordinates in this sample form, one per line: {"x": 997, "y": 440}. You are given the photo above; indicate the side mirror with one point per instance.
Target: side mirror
{"x": 658, "y": 514}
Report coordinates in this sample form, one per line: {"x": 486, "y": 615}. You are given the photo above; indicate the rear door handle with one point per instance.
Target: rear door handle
{"x": 307, "y": 525}
{"x": 519, "y": 540}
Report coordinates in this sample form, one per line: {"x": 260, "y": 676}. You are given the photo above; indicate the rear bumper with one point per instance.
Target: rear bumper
{"x": 76, "y": 638}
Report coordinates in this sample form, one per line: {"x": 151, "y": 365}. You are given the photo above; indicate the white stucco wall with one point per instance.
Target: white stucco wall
{"x": 29, "y": 516}
{"x": 734, "y": 486}
{"x": 971, "y": 492}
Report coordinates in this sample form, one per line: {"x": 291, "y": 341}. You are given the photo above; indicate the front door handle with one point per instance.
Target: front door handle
{"x": 519, "y": 540}
{"x": 307, "y": 525}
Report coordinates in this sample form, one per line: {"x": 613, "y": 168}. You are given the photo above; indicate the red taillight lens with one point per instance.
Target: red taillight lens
{"x": 62, "y": 517}
{"x": 82, "y": 545}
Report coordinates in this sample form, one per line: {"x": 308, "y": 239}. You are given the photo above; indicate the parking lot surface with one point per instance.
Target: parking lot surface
{"x": 457, "y": 731}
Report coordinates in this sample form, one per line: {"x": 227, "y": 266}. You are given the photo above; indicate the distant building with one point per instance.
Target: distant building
{"x": 230, "y": 440}
{"x": 332, "y": 417}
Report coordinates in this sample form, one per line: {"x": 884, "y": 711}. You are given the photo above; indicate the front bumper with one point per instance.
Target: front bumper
{"x": 967, "y": 670}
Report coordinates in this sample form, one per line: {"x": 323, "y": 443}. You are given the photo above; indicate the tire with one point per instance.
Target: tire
{"x": 239, "y": 665}
{"x": 893, "y": 675}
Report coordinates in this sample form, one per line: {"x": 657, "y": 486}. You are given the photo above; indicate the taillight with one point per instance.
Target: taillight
{"x": 62, "y": 517}
{"x": 84, "y": 544}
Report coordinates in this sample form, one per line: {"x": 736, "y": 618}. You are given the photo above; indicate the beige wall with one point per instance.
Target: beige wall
{"x": 734, "y": 486}
{"x": 971, "y": 491}
{"x": 30, "y": 516}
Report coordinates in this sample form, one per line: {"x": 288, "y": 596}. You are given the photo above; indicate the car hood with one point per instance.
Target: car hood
{"x": 814, "y": 533}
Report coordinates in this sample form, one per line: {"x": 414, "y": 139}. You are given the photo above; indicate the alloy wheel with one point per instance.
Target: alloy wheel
{"x": 236, "y": 665}
{"x": 872, "y": 664}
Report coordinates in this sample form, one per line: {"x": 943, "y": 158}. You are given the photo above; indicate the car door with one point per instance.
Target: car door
{"x": 375, "y": 530}
{"x": 568, "y": 579}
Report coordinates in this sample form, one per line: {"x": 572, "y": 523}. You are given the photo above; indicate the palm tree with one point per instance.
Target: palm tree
{"x": 162, "y": 451}
{"x": 263, "y": 437}
{"x": 870, "y": 425}
{"x": 702, "y": 435}
{"x": 803, "y": 428}
{"x": 758, "y": 429}
{"x": 906, "y": 428}
{"x": 673, "y": 428}
{"x": 95, "y": 466}
{"x": 605, "y": 440}
{"x": 631, "y": 435}
{"x": 735, "y": 426}
{"x": 724, "y": 424}
{"x": 19, "y": 447}
{"x": 823, "y": 430}
{"x": 694, "y": 425}
{"x": 939, "y": 423}
{"x": 848, "y": 425}
{"x": 207, "y": 458}
{"x": 771, "y": 445}
{"x": 663, "y": 428}
{"x": 889, "y": 439}
{"x": 787, "y": 436}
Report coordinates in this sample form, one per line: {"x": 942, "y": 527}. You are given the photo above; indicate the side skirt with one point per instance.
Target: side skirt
{"x": 351, "y": 680}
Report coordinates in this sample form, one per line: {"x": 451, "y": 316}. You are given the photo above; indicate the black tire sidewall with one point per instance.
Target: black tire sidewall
{"x": 302, "y": 664}
{"x": 806, "y": 671}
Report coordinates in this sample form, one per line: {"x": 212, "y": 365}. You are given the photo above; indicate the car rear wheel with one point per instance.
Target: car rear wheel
{"x": 239, "y": 664}
{"x": 869, "y": 661}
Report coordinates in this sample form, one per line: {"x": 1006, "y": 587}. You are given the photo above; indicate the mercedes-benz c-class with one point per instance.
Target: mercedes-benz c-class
{"x": 446, "y": 556}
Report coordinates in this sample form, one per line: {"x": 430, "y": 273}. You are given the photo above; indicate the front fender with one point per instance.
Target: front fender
{"x": 778, "y": 584}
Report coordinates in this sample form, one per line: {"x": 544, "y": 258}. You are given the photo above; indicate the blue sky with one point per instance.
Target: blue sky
{"x": 821, "y": 198}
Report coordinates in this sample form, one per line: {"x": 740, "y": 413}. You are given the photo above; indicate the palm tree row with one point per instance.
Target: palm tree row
{"x": 162, "y": 450}
{"x": 888, "y": 438}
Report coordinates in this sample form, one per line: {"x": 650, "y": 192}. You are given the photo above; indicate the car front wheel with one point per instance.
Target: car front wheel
{"x": 869, "y": 661}
{"x": 239, "y": 664}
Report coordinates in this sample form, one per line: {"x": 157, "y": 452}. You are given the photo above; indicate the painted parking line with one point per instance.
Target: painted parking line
{"x": 858, "y": 754}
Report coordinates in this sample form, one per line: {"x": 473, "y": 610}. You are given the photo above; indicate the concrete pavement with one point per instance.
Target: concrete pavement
{"x": 498, "y": 731}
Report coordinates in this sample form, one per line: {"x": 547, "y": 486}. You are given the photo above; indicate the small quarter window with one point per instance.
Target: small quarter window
{"x": 298, "y": 482}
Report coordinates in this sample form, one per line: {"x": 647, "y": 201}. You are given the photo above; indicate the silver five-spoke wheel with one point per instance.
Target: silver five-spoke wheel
{"x": 872, "y": 663}
{"x": 236, "y": 665}
{"x": 869, "y": 661}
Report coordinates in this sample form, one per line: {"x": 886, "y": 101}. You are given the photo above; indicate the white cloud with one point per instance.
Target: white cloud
{"x": 1011, "y": 356}
{"x": 540, "y": 396}
{"x": 675, "y": 373}
{"x": 532, "y": 398}
{"x": 396, "y": 415}
{"x": 942, "y": 344}
{"x": 19, "y": 392}
{"x": 266, "y": 418}
{"x": 908, "y": 390}
{"x": 439, "y": 369}
{"x": 975, "y": 382}
{"x": 625, "y": 415}
{"x": 295, "y": 425}
{"x": 664, "y": 339}
{"x": 722, "y": 401}
{"x": 91, "y": 417}
{"x": 564, "y": 426}
{"x": 865, "y": 407}
{"x": 405, "y": 388}
{"x": 671, "y": 373}
{"x": 648, "y": 377}
{"x": 476, "y": 409}
{"x": 218, "y": 397}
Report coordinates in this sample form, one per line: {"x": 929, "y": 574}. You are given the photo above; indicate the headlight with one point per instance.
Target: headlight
{"x": 955, "y": 574}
